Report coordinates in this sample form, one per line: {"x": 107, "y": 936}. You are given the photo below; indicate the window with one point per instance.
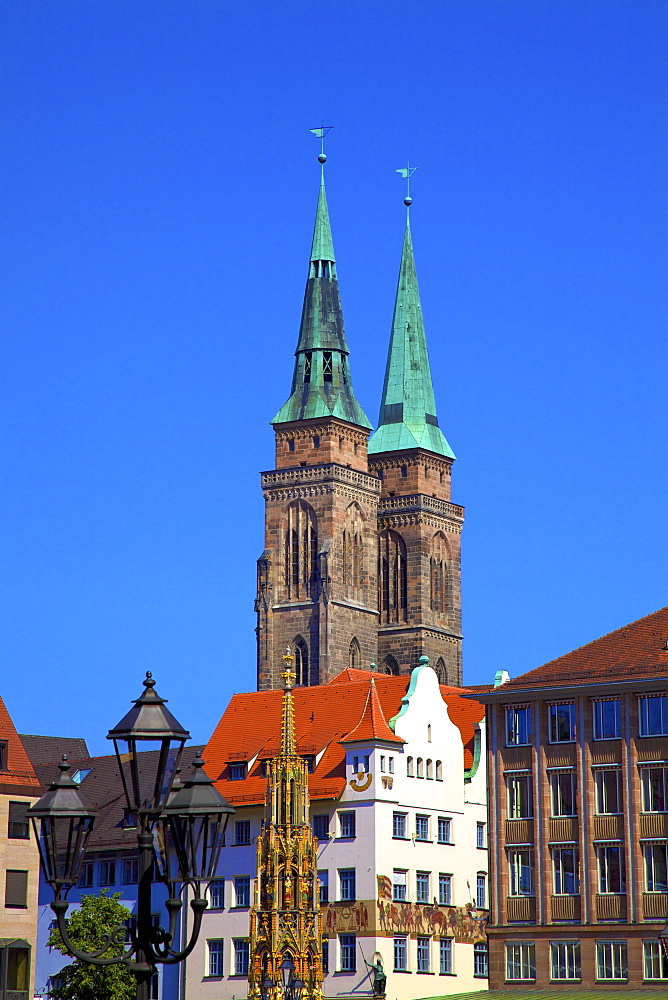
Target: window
{"x": 610, "y": 869}
{"x": 217, "y": 894}
{"x": 16, "y": 889}
{"x": 481, "y": 890}
{"x": 438, "y": 572}
{"x": 241, "y": 956}
{"x": 215, "y": 949}
{"x": 130, "y": 871}
{"x": 656, "y": 877}
{"x": 429, "y": 770}
{"x": 347, "y": 824}
{"x": 608, "y": 792}
{"x": 565, "y": 869}
{"x": 519, "y": 797}
{"x": 561, "y": 719}
{"x": 361, "y": 764}
{"x": 87, "y": 875}
{"x": 390, "y": 666}
{"x": 382, "y": 764}
{"x": 354, "y": 653}
{"x": 421, "y": 827}
{"x": 562, "y": 786}
{"x": 316, "y": 440}
{"x": 409, "y": 767}
{"x": 19, "y": 827}
{"x": 3, "y": 755}
{"x": 18, "y": 970}
{"x": 422, "y": 887}
{"x": 607, "y": 719}
{"x": 242, "y": 832}
{"x": 291, "y": 444}
{"x": 325, "y": 955}
{"x": 400, "y": 954}
{"x": 390, "y": 765}
{"x": 347, "y": 885}
{"x": 518, "y": 725}
{"x": 301, "y": 549}
{"x": 654, "y": 789}
{"x": 348, "y": 952}
{"x": 237, "y": 772}
{"x": 420, "y": 770}
{"x": 327, "y": 366}
{"x": 302, "y": 678}
{"x": 445, "y": 956}
{"x": 307, "y": 366}
{"x": 521, "y": 872}
{"x": 392, "y": 577}
{"x": 399, "y": 826}
{"x": 656, "y": 964}
{"x": 321, "y": 826}
{"x": 611, "y": 960}
{"x": 242, "y": 891}
{"x": 444, "y": 830}
{"x": 521, "y": 960}
{"x": 480, "y": 959}
{"x": 404, "y": 472}
{"x": 444, "y": 889}
{"x": 323, "y": 886}
{"x": 423, "y": 953}
{"x": 565, "y": 959}
{"x": 480, "y": 835}
{"x": 439, "y": 771}
{"x": 107, "y": 873}
{"x": 399, "y": 885}
{"x": 654, "y": 715}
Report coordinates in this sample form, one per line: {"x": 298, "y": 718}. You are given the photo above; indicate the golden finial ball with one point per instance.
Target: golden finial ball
{"x": 408, "y": 201}
{"x": 322, "y": 158}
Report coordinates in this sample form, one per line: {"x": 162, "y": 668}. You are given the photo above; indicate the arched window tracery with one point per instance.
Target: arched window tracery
{"x": 392, "y": 577}
{"x": 301, "y": 550}
{"x": 438, "y": 566}
{"x": 390, "y": 666}
{"x": 355, "y": 655}
{"x": 352, "y": 551}
{"x": 441, "y": 672}
{"x": 301, "y": 662}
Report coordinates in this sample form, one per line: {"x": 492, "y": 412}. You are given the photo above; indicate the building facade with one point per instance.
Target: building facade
{"x": 578, "y": 787}
{"x": 361, "y": 564}
{"x": 19, "y": 866}
{"x": 397, "y": 806}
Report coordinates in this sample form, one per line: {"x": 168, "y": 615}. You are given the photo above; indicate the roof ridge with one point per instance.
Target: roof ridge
{"x": 372, "y": 724}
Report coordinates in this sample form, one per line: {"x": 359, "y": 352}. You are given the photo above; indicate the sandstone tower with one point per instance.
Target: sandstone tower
{"x": 361, "y": 562}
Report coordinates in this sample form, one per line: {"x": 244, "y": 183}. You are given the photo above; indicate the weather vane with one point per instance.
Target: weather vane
{"x": 407, "y": 172}
{"x": 320, "y": 133}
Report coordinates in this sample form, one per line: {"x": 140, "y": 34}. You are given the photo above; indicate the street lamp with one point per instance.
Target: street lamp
{"x": 182, "y": 836}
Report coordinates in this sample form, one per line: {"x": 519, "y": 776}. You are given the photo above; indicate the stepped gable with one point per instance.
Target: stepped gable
{"x": 19, "y": 774}
{"x": 324, "y": 714}
{"x": 635, "y": 651}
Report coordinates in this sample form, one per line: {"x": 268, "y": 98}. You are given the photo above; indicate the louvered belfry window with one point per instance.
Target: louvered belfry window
{"x": 392, "y": 577}
{"x": 301, "y": 550}
{"x": 16, "y": 889}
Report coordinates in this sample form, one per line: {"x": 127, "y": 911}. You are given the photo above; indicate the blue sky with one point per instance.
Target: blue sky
{"x": 159, "y": 189}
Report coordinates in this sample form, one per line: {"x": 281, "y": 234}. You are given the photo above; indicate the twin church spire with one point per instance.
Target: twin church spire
{"x": 322, "y": 383}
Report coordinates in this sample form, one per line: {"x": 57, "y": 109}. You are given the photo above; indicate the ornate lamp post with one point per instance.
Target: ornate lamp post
{"x": 182, "y": 835}
{"x": 290, "y": 986}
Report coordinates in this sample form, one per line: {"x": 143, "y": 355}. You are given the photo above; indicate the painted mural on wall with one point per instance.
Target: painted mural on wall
{"x": 380, "y": 917}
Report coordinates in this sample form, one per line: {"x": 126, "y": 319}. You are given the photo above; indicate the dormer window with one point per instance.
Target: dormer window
{"x": 237, "y": 772}
{"x": 327, "y": 366}
{"x": 3, "y": 755}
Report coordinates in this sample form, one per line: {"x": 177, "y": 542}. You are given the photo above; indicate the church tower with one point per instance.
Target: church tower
{"x": 419, "y": 574}
{"x": 317, "y": 590}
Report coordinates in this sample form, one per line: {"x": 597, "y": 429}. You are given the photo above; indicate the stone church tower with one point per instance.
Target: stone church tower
{"x": 361, "y": 559}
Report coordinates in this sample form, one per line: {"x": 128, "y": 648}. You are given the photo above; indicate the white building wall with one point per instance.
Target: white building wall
{"x": 375, "y": 796}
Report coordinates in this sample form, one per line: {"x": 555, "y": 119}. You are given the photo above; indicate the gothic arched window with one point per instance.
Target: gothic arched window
{"x": 438, "y": 565}
{"x": 392, "y": 577}
{"x": 354, "y": 655}
{"x": 441, "y": 672}
{"x": 352, "y": 550}
{"x": 390, "y": 666}
{"x": 301, "y": 662}
{"x": 301, "y": 549}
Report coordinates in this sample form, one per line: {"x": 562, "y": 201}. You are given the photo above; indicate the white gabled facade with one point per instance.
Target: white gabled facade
{"x": 402, "y": 859}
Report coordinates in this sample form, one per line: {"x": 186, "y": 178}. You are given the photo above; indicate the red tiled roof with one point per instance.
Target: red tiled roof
{"x": 19, "y": 769}
{"x": 250, "y": 730}
{"x": 634, "y": 652}
{"x": 372, "y": 725}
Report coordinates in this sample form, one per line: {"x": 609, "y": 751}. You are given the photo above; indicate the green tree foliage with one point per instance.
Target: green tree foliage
{"x": 87, "y": 927}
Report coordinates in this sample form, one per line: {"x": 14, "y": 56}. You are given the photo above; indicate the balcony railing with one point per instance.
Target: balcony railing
{"x": 610, "y": 906}
{"x": 655, "y": 905}
{"x": 565, "y": 907}
{"x": 521, "y": 909}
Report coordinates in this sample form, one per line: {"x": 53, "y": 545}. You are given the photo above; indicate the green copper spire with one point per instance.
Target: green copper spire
{"x": 408, "y": 411}
{"x": 321, "y": 384}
